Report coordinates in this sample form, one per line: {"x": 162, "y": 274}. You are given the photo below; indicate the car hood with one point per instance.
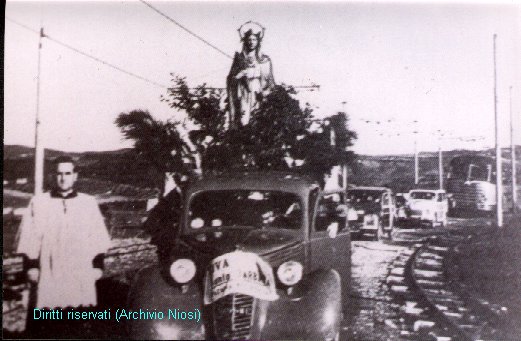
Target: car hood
{"x": 264, "y": 242}
{"x": 420, "y": 204}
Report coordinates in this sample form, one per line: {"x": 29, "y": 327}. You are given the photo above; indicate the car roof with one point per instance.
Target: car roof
{"x": 271, "y": 181}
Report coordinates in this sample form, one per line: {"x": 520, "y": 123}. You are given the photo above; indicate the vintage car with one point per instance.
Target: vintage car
{"x": 258, "y": 256}
{"x": 372, "y": 211}
{"x": 428, "y": 206}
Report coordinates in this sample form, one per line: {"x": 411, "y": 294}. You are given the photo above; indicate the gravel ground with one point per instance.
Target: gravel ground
{"x": 373, "y": 302}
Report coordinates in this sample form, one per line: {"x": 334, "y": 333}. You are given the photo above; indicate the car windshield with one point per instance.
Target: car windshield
{"x": 423, "y": 195}
{"x": 477, "y": 173}
{"x": 252, "y": 208}
{"x": 360, "y": 197}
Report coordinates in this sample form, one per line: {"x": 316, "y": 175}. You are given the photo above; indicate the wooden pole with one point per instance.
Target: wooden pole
{"x": 416, "y": 161}
{"x": 38, "y": 147}
{"x": 440, "y": 166}
{"x": 499, "y": 170}
{"x": 513, "y": 155}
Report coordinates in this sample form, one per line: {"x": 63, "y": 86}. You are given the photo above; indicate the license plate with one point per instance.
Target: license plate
{"x": 239, "y": 272}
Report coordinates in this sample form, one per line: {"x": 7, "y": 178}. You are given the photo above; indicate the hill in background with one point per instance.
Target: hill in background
{"x": 119, "y": 172}
{"x": 123, "y": 172}
{"x": 397, "y": 171}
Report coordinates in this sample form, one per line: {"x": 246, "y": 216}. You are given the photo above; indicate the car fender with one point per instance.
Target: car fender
{"x": 150, "y": 291}
{"x": 312, "y": 312}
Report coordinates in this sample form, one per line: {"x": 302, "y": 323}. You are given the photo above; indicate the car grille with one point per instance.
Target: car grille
{"x": 464, "y": 195}
{"x": 232, "y": 317}
{"x": 293, "y": 252}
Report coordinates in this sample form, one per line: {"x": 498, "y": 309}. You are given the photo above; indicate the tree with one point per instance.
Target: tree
{"x": 279, "y": 134}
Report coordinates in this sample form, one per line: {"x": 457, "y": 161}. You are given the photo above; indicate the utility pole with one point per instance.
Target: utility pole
{"x": 344, "y": 165}
{"x": 38, "y": 147}
{"x": 499, "y": 170}
{"x": 440, "y": 162}
{"x": 416, "y": 163}
{"x": 513, "y": 151}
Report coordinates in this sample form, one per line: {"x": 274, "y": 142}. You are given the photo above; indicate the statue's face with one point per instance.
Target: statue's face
{"x": 251, "y": 42}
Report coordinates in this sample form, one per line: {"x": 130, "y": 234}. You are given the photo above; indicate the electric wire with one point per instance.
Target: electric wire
{"x": 186, "y": 29}
{"x": 85, "y": 54}
{"x": 132, "y": 74}
{"x": 308, "y": 87}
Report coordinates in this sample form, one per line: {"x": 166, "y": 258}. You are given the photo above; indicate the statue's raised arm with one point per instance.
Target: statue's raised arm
{"x": 251, "y": 76}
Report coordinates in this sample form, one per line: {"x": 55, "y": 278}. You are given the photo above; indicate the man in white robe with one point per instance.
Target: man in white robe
{"x": 65, "y": 231}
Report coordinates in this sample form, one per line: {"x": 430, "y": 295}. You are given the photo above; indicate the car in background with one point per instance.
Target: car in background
{"x": 372, "y": 211}
{"x": 258, "y": 256}
{"x": 428, "y": 206}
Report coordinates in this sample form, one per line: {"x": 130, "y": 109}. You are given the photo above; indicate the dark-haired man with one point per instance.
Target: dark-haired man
{"x": 64, "y": 231}
{"x": 163, "y": 221}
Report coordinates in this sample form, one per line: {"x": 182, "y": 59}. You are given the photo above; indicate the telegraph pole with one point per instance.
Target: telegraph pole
{"x": 416, "y": 163}
{"x": 513, "y": 151}
{"x": 499, "y": 170}
{"x": 440, "y": 163}
{"x": 38, "y": 147}
{"x": 344, "y": 164}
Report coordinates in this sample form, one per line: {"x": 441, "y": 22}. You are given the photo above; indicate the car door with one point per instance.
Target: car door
{"x": 386, "y": 210}
{"x": 330, "y": 250}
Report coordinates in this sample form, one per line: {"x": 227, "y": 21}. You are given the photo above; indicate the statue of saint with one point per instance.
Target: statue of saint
{"x": 251, "y": 76}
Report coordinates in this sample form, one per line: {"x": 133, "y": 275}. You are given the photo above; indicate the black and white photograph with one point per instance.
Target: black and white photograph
{"x": 245, "y": 170}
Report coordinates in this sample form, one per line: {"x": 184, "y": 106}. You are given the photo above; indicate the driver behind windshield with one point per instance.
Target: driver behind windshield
{"x": 246, "y": 208}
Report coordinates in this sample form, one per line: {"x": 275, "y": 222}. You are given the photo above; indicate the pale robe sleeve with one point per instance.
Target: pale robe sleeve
{"x": 29, "y": 235}
{"x": 267, "y": 79}
{"x": 98, "y": 236}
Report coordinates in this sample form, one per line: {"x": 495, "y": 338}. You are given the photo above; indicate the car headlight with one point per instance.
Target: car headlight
{"x": 290, "y": 273}
{"x": 182, "y": 270}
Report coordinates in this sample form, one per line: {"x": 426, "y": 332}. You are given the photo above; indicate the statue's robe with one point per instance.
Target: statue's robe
{"x": 65, "y": 234}
{"x": 245, "y": 93}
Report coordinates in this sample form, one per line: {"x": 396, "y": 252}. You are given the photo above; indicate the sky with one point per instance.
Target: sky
{"x": 394, "y": 67}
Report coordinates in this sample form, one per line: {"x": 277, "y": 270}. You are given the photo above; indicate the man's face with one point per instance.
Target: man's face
{"x": 65, "y": 176}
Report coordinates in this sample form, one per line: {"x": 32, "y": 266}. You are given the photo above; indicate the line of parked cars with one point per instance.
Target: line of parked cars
{"x": 375, "y": 211}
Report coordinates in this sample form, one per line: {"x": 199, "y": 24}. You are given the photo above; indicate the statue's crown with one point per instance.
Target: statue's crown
{"x": 254, "y": 27}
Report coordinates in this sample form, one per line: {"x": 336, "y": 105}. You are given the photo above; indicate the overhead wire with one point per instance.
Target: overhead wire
{"x": 132, "y": 74}
{"x": 85, "y": 54}
{"x": 186, "y": 29}
{"x": 308, "y": 87}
